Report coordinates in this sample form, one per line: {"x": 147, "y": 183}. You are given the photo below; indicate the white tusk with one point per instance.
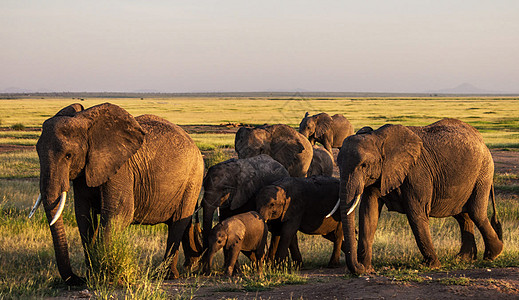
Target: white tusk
{"x": 334, "y": 209}
{"x": 60, "y": 208}
{"x": 35, "y": 207}
{"x": 218, "y": 212}
{"x": 352, "y": 208}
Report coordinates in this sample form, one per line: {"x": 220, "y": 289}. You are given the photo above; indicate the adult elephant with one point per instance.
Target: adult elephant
{"x": 329, "y": 131}
{"x": 142, "y": 170}
{"x": 440, "y": 170}
{"x": 322, "y": 163}
{"x": 230, "y": 187}
{"x": 281, "y": 142}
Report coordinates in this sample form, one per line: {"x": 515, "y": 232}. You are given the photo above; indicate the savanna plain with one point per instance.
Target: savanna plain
{"x": 130, "y": 267}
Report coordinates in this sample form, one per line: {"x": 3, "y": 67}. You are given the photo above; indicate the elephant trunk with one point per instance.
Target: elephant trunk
{"x": 348, "y": 194}
{"x": 208, "y": 261}
{"x": 53, "y": 191}
{"x": 207, "y": 223}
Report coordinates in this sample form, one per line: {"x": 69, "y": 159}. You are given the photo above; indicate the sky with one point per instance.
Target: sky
{"x": 243, "y": 46}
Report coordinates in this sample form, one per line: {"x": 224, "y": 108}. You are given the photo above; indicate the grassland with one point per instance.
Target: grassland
{"x": 27, "y": 267}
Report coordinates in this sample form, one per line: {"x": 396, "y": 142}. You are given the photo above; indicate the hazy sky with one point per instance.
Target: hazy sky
{"x": 242, "y": 45}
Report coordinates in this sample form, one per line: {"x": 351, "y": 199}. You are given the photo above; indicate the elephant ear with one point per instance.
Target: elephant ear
{"x": 286, "y": 143}
{"x": 400, "y": 149}
{"x": 70, "y": 110}
{"x": 323, "y": 123}
{"x": 113, "y": 137}
{"x": 246, "y": 184}
{"x": 236, "y": 232}
{"x": 289, "y": 207}
{"x": 240, "y": 139}
{"x": 364, "y": 130}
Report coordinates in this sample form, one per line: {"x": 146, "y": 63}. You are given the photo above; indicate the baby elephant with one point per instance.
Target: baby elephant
{"x": 245, "y": 232}
{"x": 303, "y": 204}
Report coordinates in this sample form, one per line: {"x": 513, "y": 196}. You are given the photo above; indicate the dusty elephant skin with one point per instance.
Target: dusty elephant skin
{"x": 231, "y": 185}
{"x": 245, "y": 232}
{"x": 142, "y": 170}
{"x": 329, "y": 131}
{"x": 302, "y": 204}
{"x": 322, "y": 163}
{"x": 281, "y": 142}
{"x": 440, "y": 170}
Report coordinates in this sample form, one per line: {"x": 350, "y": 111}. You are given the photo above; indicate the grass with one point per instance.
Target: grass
{"x": 27, "y": 267}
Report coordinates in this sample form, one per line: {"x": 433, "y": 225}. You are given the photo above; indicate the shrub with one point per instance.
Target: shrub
{"x": 215, "y": 157}
{"x": 18, "y": 126}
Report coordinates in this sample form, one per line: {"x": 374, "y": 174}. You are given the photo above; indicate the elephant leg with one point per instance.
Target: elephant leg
{"x": 251, "y": 255}
{"x": 369, "y": 212}
{"x": 420, "y": 226}
{"x": 175, "y": 232}
{"x": 478, "y": 214}
{"x": 468, "y": 249}
{"x": 295, "y": 253}
{"x": 230, "y": 258}
{"x": 86, "y": 216}
{"x": 336, "y": 238}
{"x": 274, "y": 243}
{"x": 288, "y": 233}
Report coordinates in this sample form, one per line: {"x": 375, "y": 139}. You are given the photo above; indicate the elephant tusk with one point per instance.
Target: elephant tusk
{"x": 334, "y": 209}
{"x": 35, "y": 207}
{"x": 352, "y": 208}
{"x": 60, "y": 208}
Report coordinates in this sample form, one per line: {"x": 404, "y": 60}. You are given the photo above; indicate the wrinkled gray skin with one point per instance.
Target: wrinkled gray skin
{"x": 302, "y": 204}
{"x": 281, "y": 142}
{"x": 322, "y": 163}
{"x": 329, "y": 131}
{"x": 231, "y": 186}
{"x": 440, "y": 170}
{"x": 245, "y": 232}
{"x": 142, "y": 170}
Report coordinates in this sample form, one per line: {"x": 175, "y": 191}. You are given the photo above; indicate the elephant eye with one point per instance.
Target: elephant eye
{"x": 68, "y": 156}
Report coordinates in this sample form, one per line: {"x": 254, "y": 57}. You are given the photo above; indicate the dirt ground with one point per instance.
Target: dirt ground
{"x": 495, "y": 283}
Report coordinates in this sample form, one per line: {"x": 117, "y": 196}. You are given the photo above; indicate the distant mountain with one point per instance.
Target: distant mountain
{"x": 464, "y": 88}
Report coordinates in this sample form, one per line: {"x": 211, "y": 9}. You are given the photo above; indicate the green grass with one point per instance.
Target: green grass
{"x": 20, "y": 164}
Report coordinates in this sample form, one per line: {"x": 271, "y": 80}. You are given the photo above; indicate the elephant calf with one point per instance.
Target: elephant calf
{"x": 303, "y": 204}
{"x": 245, "y": 232}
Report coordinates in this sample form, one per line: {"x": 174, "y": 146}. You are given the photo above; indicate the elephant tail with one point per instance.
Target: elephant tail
{"x": 496, "y": 224}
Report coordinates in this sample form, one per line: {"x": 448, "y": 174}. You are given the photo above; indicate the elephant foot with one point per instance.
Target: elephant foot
{"x": 432, "y": 263}
{"x": 75, "y": 280}
{"x": 172, "y": 274}
{"x": 467, "y": 256}
{"x": 334, "y": 264}
{"x": 493, "y": 251}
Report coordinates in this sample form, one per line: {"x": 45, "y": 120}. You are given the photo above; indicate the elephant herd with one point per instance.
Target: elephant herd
{"x": 145, "y": 170}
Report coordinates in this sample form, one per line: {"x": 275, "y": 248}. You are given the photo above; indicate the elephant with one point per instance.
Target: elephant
{"x": 230, "y": 187}
{"x": 329, "y": 131}
{"x": 142, "y": 170}
{"x": 302, "y": 204}
{"x": 322, "y": 163}
{"x": 246, "y": 232}
{"x": 440, "y": 170}
{"x": 281, "y": 142}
